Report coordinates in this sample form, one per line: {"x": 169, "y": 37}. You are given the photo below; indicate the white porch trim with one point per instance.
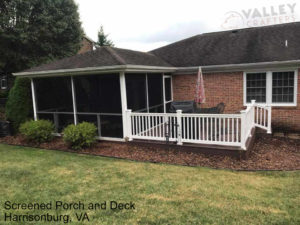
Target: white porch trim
{"x": 123, "y": 102}
{"x": 33, "y": 100}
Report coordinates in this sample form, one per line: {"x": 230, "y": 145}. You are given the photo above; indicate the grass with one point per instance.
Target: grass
{"x": 163, "y": 194}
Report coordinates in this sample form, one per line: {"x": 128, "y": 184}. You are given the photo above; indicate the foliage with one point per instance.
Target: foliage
{"x": 80, "y": 136}
{"x": 19, "y": 105}
{"x": 4, "y": 93}
{"x": 37, "y": 31}
{"x": 33, "y": 32}
{"x": 103, "y": 38}
{"x": 37, "y": 131}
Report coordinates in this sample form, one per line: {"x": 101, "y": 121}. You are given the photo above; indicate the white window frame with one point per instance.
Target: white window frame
{"x": 269, "y": 88}
{"x": 164, "y": 91}
{"x": 3, "y": 79}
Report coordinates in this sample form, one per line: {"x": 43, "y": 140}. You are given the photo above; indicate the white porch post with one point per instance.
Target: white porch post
{"x": 179, "y": 136}
{"x": 33, "y": 100}
{"x": 74, "y": 101}
{"x": 147, "y": 93}
{"x": 243, "y": 131}
{"x": 269, "y": 130}
{"x": 164, "y": 93}
{"x": 123, "y": 103}
{"x": 253, "y": 113}
{"x": 129, "y": 124}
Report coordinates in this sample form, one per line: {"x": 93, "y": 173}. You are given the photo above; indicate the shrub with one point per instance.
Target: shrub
{"x": 19, "y": 105}
{"x": 4, "y": 93}
{"x": 80, "y": 136}
{"x": 37, "y": 131}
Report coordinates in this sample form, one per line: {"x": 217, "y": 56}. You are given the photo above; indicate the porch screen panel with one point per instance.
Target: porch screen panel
{"x": 54, "y": 101}
{"x": 168, "y": 89}
{"x": 155, "y": 92}
{"x": 98, "y": 93}
{"x": 256, "y": 87}
{"x": 54, "y": 94}
{"x": 98, "y": 100}
{"x": 136, "y": 92}
{"x": 111, "y": 126}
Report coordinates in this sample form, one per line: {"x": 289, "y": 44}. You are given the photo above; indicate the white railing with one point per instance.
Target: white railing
{"x": 217, "y": 129}
{"x": 221, "y": 129}
{"x": 247, "y": 123}
{"x": 263, "y": 117}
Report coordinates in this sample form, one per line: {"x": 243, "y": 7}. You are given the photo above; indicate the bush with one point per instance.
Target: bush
{"x": 80, "y": 136}
{"x": 4, "y": 93}
{"x": 19, "y": 105}
{"x": 37, "y": 131}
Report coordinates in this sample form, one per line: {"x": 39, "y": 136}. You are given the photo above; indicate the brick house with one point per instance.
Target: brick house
{"x": 230, "y": 58}
{"x": 127, "y": 94}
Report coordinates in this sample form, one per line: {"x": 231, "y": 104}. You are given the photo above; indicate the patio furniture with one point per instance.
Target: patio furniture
{"x": 185, "y": 106}
{"x": 190, "y": 107}
{"x": 214, "y": 110}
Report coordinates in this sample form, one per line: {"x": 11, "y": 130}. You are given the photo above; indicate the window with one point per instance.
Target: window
{"x": 277, "y": 88}
{"x": 256, "y": 87}
{"x": 3, "y": 82}
{"x": 283, "y": 87}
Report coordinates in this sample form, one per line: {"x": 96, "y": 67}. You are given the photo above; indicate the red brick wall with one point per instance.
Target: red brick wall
{"x": 287, "y": 117}
{"x": 228, "y": 88}
{"x": 86, "y": 46}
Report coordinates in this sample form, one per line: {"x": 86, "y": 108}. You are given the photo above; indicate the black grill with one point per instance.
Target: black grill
{"x": 185, "y": 106}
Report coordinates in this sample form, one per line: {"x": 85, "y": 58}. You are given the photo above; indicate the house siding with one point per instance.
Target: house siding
{"x": 228, "y": 88}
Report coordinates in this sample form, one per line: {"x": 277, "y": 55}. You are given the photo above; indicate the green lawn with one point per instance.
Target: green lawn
{"x": 163, "y": 194}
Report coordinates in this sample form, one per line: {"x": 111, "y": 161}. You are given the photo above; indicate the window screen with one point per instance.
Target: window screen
{"x": 168, "y": 89}
{"x": 54, "y": 94}
{"x": 98, "y": 93}
{"x": 136, "y": 92}
{"x": 283, "y": 87}
{"x": 256, "y": 87}
{"x": 155, "y": 92}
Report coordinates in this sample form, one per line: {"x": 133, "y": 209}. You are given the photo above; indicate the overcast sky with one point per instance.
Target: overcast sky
{"x": 147, "y": 24}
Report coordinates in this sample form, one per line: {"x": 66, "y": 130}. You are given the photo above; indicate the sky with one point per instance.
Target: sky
{"x": 145, "y": 25}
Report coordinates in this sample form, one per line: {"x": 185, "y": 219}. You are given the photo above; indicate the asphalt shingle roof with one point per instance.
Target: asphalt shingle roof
{"x": 250, "y": 45}
{"x": 103, "y": 56}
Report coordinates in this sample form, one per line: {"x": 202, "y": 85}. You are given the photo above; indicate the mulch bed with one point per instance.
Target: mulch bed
{"x": 268, "y": 153}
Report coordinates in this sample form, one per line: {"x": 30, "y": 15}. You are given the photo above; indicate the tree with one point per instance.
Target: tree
{"x": 19, "y": 105}
{"x": 33, "y": 32}
{"x": 103, "y": 38}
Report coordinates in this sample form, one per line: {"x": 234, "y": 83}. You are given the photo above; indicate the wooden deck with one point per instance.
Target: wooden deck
{"x": 232, "y": 151}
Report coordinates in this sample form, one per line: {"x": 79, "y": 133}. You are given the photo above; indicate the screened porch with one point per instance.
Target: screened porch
{"x": 101, "y": 99}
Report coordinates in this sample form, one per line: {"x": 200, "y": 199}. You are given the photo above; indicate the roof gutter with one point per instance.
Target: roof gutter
{"x": 239, "y": 67}
{"x": 174, "y": 70}
{"x": 96, "y": 70}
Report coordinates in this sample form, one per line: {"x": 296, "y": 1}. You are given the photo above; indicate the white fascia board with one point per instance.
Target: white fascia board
{"x": 96, "y": 70}
{"x": 177, "y": 70}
